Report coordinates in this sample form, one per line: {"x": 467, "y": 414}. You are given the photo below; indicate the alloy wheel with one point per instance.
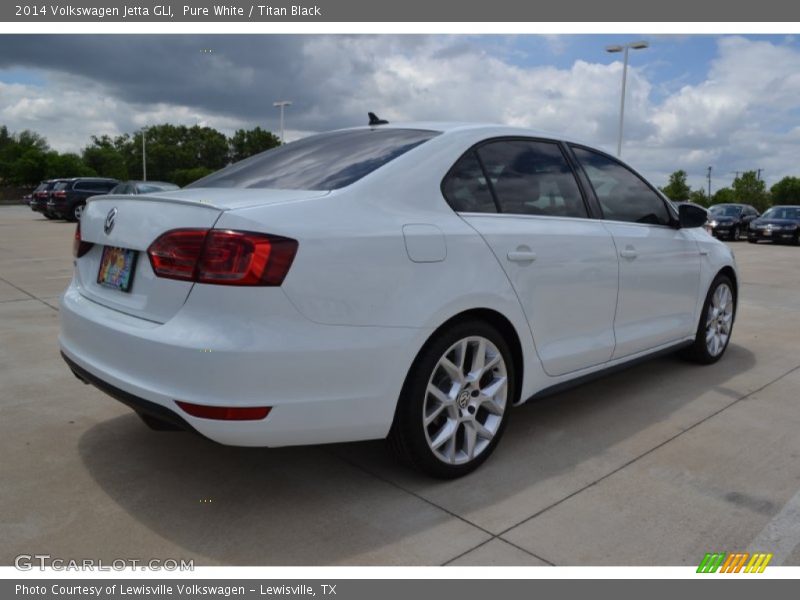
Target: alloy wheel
{"x": 77, "y": 212}
{"x": 719, "y": 319}
{"x": 465, "y": 400}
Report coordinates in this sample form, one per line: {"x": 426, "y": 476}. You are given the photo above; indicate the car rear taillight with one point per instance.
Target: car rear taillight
{"x": 222, "y": 256}
{"x": 225, "y": 413}
{"x": 79, "y": 247}
{"x": 61, "y": 194}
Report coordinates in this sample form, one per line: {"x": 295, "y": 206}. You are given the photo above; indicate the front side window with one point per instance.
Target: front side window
{"x": 532, "y": 178}
{"x": 622, "y": 194}
{"x": 465, "y": 187}
{"x": 321, "y": 162}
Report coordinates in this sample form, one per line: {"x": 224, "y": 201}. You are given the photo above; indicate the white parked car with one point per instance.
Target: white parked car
{"x": 413, "y": 282}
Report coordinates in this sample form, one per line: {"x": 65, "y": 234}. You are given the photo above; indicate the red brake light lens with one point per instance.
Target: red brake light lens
{"x": 174, "y": 255}
{"x": 79, "y": 247}
{"x": 222, "y": 256}
{"x": 225, "y": 413}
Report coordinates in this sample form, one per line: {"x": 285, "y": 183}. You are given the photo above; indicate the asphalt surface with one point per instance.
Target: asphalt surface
{"x": 656, "y": 465}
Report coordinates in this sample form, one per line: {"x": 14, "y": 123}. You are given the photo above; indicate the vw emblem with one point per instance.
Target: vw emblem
{"x": 463, "y": 399}
{"x": 109, "y": 224}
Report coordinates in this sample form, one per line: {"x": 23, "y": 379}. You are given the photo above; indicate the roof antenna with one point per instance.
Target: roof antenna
{"x": 374, "y": 120}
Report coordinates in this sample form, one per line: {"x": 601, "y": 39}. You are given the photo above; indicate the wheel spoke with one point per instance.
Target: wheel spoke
{"x": 470, "y": 439}
{"x": 439, "y": 394}
{"x": 494, "y": 387}
{"x": 452, "y": 370}
{"x": 446, "y": 433}
{"x": 431, "y": 416}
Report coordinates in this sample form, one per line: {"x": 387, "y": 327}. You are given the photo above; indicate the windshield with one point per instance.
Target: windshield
{"x": 782, "y": 212}
{"x": 726, "y": 211}
{"x": 321, "y": 162}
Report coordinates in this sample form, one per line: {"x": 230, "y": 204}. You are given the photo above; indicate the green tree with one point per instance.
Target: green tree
{"x": 749, "y": 189}
{"x": 786, "y": 191}
{"x": 184, "y": 177}
{"x": 246, "y": 143}
{"x": 106, "y": 158}
{"x": 66, "y": 165}
{"x": 723, "y": 195}
{"x": 677, "y": 189}
{"x": 172, "y": 148}
{"x": 700, "y": 197}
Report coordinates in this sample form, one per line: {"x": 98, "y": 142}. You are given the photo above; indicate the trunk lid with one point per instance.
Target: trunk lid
{"x": 138, "y": 221}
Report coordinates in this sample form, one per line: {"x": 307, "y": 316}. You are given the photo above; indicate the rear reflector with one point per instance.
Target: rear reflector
{"x": 222, "y": 256}
{"x": 225, "y": 413}
{"x": 79, "y": 247}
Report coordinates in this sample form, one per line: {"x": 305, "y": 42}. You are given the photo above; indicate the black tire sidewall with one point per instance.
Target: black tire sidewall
{"x": 408, "y": 418}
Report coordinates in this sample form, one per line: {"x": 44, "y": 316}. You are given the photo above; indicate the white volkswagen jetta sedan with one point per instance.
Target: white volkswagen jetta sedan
{"x": 413, "y": 282}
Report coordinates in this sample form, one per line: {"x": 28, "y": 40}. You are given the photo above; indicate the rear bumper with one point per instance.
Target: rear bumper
{"x": 244, "y": 348}
{"x": 57, "y": 207}
{"x": 140, "y": 405}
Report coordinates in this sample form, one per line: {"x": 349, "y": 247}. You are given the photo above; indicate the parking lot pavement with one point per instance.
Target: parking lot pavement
{"x": 655, "y": 465}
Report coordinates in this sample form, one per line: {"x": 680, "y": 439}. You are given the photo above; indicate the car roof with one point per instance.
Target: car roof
{"x": 482, "y": 129}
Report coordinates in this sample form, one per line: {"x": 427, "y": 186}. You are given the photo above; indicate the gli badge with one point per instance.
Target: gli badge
{"x": 109, "y": 224}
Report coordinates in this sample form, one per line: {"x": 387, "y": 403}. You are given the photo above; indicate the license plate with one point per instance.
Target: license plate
{"x": 117, "y": 266}
{"x": 767, "y": 232}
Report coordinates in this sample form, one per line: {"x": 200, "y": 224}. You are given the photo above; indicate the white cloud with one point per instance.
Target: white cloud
{"x": 742, "y": 115}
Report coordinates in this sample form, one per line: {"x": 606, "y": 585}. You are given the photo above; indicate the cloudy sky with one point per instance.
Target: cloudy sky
{"x": 732, "y": 102}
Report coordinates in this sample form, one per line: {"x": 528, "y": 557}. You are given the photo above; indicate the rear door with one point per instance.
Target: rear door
{"x": 522, "y": 197}
{"x": 659, "y": 272}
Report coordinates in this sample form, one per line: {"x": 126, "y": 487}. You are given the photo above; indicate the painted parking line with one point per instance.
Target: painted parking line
{"x": 782, "y": 534}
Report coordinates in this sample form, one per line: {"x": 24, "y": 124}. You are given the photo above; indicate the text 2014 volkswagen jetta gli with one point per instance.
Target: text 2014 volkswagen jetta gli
{"x": 411, "y": 282}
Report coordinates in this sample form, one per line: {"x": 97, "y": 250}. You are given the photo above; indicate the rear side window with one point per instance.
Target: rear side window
{"x": 322, "y": 162}
{"x": 95, "y": 186}
{"x": 532, "y": 178}
{"x": 622, "y": 194}
{"x": 465, "y": 188}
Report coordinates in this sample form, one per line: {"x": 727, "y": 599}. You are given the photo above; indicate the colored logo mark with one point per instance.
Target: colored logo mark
{"x": 734, "y": 562}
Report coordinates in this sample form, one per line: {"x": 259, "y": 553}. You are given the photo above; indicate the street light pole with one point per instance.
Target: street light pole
{"x": 282, "y": 104}
{"x": 144, "y": 155}
{"x": 624, "y": 49}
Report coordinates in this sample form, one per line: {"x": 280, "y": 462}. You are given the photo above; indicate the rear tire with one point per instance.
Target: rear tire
{"x": 455, "y": 402}
{"x": 716, "y": 323}
{"x": 76, "y": 213}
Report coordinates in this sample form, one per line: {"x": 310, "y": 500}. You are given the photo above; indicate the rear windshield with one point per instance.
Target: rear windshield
{"x": 322, "y": 162}
{"x": 61, "y": 185}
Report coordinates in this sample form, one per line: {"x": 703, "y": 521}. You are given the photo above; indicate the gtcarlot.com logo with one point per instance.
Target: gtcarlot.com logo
{"x": 734, "y": 562}
{"x": 28, "y": 562}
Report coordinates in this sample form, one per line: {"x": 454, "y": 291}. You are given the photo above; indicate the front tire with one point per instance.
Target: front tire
{"x": 455, "y": 402}
{"x": 716, "y": 322}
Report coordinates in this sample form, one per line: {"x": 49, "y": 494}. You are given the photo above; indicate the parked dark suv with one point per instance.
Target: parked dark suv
{"x": 40, "y": 196}
{"x": 69, "y": 195}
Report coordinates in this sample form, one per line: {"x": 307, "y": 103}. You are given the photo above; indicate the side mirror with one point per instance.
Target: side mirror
{"x": 690, "y": 216}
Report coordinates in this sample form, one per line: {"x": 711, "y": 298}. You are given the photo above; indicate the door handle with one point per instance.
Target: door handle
{"x": 521, "y": 256}
{"x": 628, "y": 252}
